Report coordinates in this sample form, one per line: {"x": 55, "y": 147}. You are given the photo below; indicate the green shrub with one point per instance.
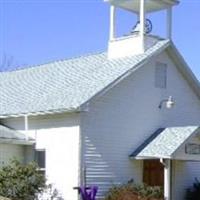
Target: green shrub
{"x": 4, "y": 198}
{"x": 131, "y": 191}
{"x": 193, "y": 193}
{"x": 21, "y": 182}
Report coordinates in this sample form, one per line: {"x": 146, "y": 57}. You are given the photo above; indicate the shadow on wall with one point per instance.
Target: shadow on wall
{"x": 103, "y": 168}
{"x": 98, "y": 171}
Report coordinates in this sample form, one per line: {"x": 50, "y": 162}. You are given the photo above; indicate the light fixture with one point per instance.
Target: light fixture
{"x": 169, "y": 103}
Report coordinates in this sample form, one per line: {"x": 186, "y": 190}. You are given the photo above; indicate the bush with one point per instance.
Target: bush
{"x": 149, "y": 192}
{"x": 25, "y": 182}
{"x": 21, "y": 182}
{"x": 131, "y": 191}
{"x": 4, "y": 198}
{"x": 193, "y": 193}
{"x": 121, "y": 192}
{"x": 50, "y": 193}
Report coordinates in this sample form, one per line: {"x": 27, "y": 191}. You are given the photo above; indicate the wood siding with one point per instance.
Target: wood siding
{"x": 9, "y": 152}
{"x": 120, "y": 120}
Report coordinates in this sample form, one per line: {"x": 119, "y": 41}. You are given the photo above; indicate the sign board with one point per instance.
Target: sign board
{"x": 193, "y": 149}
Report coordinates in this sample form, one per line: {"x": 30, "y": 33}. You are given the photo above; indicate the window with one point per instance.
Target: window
{"x": 40, "y": 157}
{"x": 161, "y": 75}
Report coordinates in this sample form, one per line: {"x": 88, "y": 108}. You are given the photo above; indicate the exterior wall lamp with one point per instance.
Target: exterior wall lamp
{"x": 169, "y": 103}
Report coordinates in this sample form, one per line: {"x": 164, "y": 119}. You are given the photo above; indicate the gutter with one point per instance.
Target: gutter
{"x": 40, "y": 113}
{"x": 16, "y": 141}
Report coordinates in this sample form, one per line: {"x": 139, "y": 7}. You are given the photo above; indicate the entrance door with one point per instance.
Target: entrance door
{"x": 153, "y": 173}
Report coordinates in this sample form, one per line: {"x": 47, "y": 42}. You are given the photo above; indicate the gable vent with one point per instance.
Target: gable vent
{"x": 161, "y": 75}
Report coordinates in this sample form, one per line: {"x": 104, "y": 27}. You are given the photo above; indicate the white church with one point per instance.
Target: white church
{"x": 132, "y": 112}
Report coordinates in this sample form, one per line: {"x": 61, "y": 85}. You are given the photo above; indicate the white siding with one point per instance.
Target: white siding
{"x": 116, "y": 124}
{"x": 186, "y": 112}
{"x": 59, "y": 136}
{"x": 62, "y": 158}
{"x": 120, "y": 120}
{"x": 9, "y": 152}
{"x": 185, "y": 174}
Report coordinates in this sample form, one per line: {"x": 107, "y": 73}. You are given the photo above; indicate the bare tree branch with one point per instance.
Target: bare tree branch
{"x": 8, "y": 63}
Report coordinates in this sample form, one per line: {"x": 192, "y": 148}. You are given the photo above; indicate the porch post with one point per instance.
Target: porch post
{"x": 169, "y": 23}
{"x": 142, "y": 23}
{"x": 167, "y": 179}
{"x": 112, "y": 22}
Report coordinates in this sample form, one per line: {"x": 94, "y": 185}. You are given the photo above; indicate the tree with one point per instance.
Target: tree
{"x": 6, "y": 62}
{"x": 21, "y": 182}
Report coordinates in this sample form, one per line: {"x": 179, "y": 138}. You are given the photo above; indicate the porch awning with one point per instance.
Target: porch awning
{"x": 11, "y": 136}
{"x": 165, "y": 142}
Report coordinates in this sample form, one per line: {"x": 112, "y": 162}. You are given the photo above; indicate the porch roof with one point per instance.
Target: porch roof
{"x": 164, "y": 142}
{"x": 11, "y": 136}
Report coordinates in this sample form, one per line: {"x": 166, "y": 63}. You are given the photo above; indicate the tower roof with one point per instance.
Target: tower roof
{"x": 150, "y": 5}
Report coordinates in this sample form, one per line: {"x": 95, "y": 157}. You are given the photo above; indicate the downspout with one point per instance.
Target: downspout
{"x": 142, "y": 25}
{"x": 167, "y": 178}
{"x": 26, "y": 128}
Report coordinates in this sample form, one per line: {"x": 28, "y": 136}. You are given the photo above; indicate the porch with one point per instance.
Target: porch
{"x": 162, "y": 150}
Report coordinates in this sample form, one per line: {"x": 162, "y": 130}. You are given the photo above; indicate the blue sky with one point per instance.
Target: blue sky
{"x": 39, "y": 31}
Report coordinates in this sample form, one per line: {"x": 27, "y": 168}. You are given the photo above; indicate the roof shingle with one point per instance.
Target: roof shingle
{"x": 64, "y": 85}
{"x": 164, "y": 142}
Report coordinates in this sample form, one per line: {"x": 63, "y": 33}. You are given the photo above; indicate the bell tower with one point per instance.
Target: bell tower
{"x": 140, "y": 39}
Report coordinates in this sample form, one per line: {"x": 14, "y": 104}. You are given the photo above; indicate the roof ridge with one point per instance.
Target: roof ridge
{"x": 30, "y": 67}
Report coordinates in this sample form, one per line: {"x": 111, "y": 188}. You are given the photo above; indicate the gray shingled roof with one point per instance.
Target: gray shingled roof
{"x": 8, "y": 135}
{"x": 64, "y": 85}
{"x": 164, "y": 142}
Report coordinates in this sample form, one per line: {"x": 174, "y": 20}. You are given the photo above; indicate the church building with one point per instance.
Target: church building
{"x": 131, "y": 112}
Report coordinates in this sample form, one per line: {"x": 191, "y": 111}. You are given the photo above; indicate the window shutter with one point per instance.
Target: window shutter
{"x": 161, "y": 75}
